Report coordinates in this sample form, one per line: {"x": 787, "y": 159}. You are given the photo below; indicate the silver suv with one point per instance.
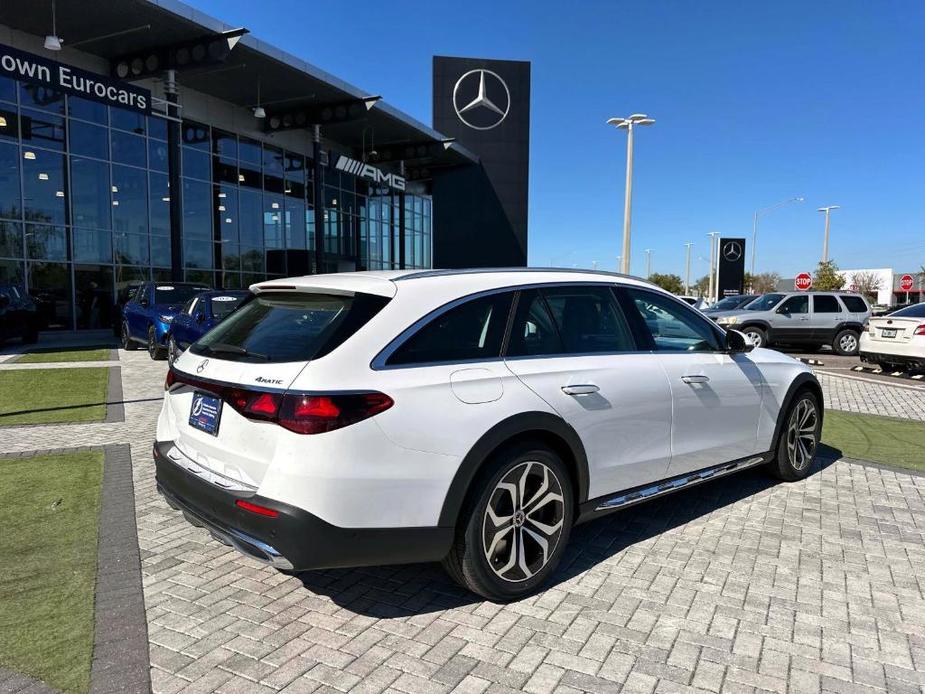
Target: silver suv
{"x": 805, "y": 319}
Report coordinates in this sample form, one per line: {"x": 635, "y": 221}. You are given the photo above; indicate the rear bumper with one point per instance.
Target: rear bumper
{"x": 884, "y": 357}
{"x": 295, "y": 538}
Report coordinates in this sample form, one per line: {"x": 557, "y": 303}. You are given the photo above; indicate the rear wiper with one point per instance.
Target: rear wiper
{"x": 224, "y": 348}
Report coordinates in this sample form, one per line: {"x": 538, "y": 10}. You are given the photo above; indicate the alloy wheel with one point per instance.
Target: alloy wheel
{"x": 801, "y": 434}
{"x": 754, "y": 338}
{"x": 152, "y": 346}
{"x": 848, "y": 343}
{"x": 523, "y": 521}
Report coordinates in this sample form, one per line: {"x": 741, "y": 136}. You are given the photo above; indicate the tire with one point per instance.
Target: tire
{"x": 155, "y": 351}
{"x": 172, "y": 351}
{"x": 888, "y": 368}
{"x": 127, "y": 342}
{"x": 755, "y": 335}
{"x": 495, "y": 524}
{"x": 799, "y": 439}
{"x": 846, "y": 343}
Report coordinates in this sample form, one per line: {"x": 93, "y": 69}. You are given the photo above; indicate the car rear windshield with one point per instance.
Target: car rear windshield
{"x": 223, "y": 304}
{"x": 731, "y": 302}
{"x": 764, "y": 303}
{"x": 915, "y": 311}
{"x": 176, "y": 293}
{"x": 288, "y": 327}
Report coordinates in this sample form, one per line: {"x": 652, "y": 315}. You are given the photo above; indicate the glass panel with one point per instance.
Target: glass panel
{"x": 795, "y": 304}
{"x": 231, "y": 280}
{"x": 196, "y": 135}
{"x": 10, "y": 197}
{"x": 90, "y": 193}
{"x": 128, "y": 148}
{"x": 249, "y": 151}
{"x": 225, "y": 145}
{"x": 196, "y": 164}
{"x": 672, "y": 325}
{"x": 159, "y": 201}
{"x": 94, "y": 296}
{"x": 231, "y": 258}
{"x": 89, "y": 140}
{"x": 40, "y": 96}
{"x": 295, "y": 225}
{"x": 226, "y": 211}
{"x": 250, "y": 213}
{"x": 533, "y": 332}
{"x": 87, "y": 109}
{"x": 9, "y": 124}
{"x": 197, "y": 254}
{"x": 131, "y": 249}
{"x": 133, "y": 121}
{"x": 7, "y": 89}
{"x": 273, "y": 221}
{"x": 92, "y": 245}
{"x": 50, "y": 287}
{"x": 42, "y": 130}
{"x": 43, "y": 186}
{"x": 157, "y": 155}
{"x": 224, "y": 172}
{"x": 127, "y": 276}
{"x": 129, "y": 200}
{"x": 855, "y": 304}
{"x": 197, "y": 210}
{"x": 252, "y": 260}
{"x": 589, "y": 320}
{"x": 160, "y": 251}
{"x": 157, "y": 127}
{"x": 11, "y": 239}
{"x": 11, "y": 272}
{"x": 825, "y": 303}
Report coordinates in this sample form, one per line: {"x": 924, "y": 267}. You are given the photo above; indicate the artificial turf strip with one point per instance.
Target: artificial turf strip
{"x": 885, "y": 440}
{"x": 45, "y": 396}
{"x": 49, "y": 513}
{"x": 45, "y": 356}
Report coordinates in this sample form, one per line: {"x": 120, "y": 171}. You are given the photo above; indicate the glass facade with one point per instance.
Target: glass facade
{"x": 84, "y": 207}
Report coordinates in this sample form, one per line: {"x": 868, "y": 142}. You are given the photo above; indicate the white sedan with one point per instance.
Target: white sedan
{"x": 896, "y": 341}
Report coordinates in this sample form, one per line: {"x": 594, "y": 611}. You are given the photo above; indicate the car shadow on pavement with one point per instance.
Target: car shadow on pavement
{"x": 414, "y": 589}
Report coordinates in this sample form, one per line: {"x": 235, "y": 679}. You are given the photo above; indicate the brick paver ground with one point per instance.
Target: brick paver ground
{"x": 856, "y": 394}
{"x": 737, "y": 585}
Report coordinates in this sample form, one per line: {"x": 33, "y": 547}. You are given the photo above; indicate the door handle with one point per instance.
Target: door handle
{"x": 699, "y": 378}
{"x": 583, "y": 389}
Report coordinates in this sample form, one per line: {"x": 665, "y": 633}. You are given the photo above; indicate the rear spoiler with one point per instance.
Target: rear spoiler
{"x": 344, "y": 284}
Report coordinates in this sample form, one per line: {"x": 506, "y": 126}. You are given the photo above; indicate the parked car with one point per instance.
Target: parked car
{"x": 199, "y": 315}
{"x": 147, "y": 314}
{"x": 805, "y": 319}
{"x": 896, "y": 341}
{"x": 18, "y": 314}
{"x": 471, "y": 417}
{"x": 730, "y": 303}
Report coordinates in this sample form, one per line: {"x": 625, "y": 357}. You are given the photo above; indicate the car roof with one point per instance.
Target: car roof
{"x": 386, "y": 282}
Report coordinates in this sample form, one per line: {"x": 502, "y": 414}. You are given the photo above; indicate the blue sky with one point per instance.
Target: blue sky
{"x": 755, "y": 103}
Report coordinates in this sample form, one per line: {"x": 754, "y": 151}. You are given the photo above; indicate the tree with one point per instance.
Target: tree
{"x": 764, "y": 282}
{"x": 701, "y": 286}
{"x": 867, "y": 283}
{"x": 826, "y": 277}
{"x": 669, "y": 282}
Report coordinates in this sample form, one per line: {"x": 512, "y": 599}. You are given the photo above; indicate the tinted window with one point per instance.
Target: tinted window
{"x": 224, "y": 304}
{"x": 795, "y": 304}
{"x": 825, "y": 303}
{"x": 589, "y": 320}
{"x": 855, "y": 304}
{"x": 289, "y": 327}
{"x": 176, "y": 294}
{"x": 765, "y": 303}
{"x": 534, "y": 331}
{"x": 472, "y": 330}
{"x": 672, "y": 325}
{"x": 916, "y": 311}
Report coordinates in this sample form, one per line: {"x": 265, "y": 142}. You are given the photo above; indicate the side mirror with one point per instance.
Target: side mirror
{"x": 783, "y": 310}
{"x": 737, "y": 343}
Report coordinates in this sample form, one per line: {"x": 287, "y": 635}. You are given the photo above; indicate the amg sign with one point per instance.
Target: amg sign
{"x": 47, "y": 73}
{"x": 369, "y": 172}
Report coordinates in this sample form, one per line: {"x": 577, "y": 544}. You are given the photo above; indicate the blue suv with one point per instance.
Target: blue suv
{"x": 199, "y": 315}
{"x": 147, "y": 315}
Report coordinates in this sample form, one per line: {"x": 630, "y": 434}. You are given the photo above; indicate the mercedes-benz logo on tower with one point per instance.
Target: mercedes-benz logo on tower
{"x": 481, "y": 99}
{"x": 732, "y": 251}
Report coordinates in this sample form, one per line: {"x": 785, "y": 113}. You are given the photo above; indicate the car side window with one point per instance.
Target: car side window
{"x": 672, "y": 325}
{"x": 589, "y": 319}
{"x": 795, "y": 304}
{"x": 471, "y": 331}
{"x": 855, "y": 304}
{"x": 533, "y": 331}
{"x": 825, "y": 303}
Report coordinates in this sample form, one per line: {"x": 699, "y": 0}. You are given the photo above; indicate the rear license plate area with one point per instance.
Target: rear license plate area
{"x": 888, "y": 332}
{"x": 205, "y": 413}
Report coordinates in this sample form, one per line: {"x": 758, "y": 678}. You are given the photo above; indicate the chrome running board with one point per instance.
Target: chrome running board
{"x": 658, "y": 489}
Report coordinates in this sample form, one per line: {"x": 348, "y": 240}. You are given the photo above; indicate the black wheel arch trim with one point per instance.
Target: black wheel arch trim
{"x": 848, "y": 325}
{"x": 801, "y": 382}
{"x": 543, "y": 423}
{"x": 751, "y": 324}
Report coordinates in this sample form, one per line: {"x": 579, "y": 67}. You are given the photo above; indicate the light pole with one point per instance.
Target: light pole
{"x": 825, "y": 239}
{"x": 687, "y": 276}
{"x": 648, "y": 263}
{"x": 758, "y": 213}
{"x": 629, "y": 124}
{"x": 712, "y": 235}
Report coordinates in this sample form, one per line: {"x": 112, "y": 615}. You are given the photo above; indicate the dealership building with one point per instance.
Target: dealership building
{"x": 142, "y": 139}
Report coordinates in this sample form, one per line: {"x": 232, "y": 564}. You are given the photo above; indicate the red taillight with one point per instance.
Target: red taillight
{"x": 920, "y": 330}
{"x": 170, "y": 380}
{"x": 256, "y": 508}
{"x": 265, "y": 404}
{"x": 316, "y": 414}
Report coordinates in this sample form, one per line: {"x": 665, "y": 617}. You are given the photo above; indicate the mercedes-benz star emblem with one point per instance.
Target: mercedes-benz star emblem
{"x": 202, "y": 365}
{"x": 732, "y": 251}
{"x": 481, "y": 99}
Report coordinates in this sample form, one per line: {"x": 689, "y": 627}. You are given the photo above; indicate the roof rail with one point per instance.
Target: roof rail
{"x": 480, "y": 270}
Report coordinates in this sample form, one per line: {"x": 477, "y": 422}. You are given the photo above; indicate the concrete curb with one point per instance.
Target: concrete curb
{"x": 115, "y": 409}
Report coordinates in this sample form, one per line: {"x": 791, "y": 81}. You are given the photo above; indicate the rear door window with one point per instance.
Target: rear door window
{"x": 589, "y": 319}
{"x": 471, "y": 331}
{"x": 533, "y": 331}
{"x": 825, "y": 303}
{"x": 288, "y": 327}
{"x": 855, "y": 304}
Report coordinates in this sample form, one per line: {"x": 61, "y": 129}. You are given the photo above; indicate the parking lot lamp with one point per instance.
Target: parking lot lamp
{"x": 758, "y": 213}
{"x": 825, "y": 239}
{"x": 713, "y": 235}
{"x": 629, "y": 124}
{"x": 687, "y": 274}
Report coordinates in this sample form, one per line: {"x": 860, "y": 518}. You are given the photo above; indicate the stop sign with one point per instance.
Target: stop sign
{"x": 906, "y": 282}
{"x": 803, "y": 281}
